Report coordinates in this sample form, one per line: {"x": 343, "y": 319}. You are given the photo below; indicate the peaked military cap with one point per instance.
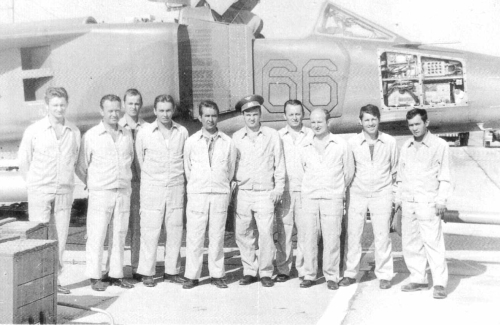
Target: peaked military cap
{"x": 249, "y": 102}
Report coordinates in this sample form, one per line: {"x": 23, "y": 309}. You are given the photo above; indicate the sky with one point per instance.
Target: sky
{"x": 470, "y": 24}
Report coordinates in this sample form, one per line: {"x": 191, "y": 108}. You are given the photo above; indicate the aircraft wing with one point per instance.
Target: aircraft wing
{"x": 42, "y": 33}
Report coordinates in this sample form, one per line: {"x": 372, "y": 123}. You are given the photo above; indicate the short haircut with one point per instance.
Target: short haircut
{"x": 325, "y": 112}
{"x": 369, "y": 109}
{"x": 52, "y": 92}
{"x": 132, "y": 92}
{"x": 111, "y": 98}
{"x": 207, "y": 104}
{"x": 293, "y": 102}
{"x": 164, "y": 99}
{"x": 417, "y": 111}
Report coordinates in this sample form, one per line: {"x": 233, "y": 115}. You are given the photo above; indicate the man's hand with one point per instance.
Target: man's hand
{"x": 276, "y": 197}
{"x": 440, "y": 209}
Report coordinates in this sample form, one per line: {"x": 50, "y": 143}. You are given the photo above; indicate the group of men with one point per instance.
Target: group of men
{"x": 138, "y": 174}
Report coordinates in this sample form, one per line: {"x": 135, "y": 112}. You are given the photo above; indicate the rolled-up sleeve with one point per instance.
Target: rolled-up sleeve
{"x": 25, "y": 153}
{"x": 349, "y": 167}
{"x": 444, "y": 177}
{"x": 84, "y": 157}
{"x": 279, "y": 166}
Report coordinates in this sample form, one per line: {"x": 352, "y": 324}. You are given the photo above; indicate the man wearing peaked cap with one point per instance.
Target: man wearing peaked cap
{"x": 260, "y": 177}
{"x": 249, "y": 102}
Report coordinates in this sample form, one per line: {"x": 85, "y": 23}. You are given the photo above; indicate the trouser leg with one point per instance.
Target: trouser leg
{"x": 284, "y": 224}
{"x": 245, "y": 233}
{"x": 310, "y": 228}
{"x": 174, "y": 226}
{"x": 99, "y": 212}
{"x": 62, "y": 215}
{"x": 197, "y": 219}
{"x": 297, "y": 213}
{"x": 152, "y": 216}
{"x": 413, "y": 246}
{"x": 331, "y": 212}
{"x": 357, "y": 206}
{"x": 433, "y": 240}
{"x": 135, "y": 226}
{"x": 264, "y": 217}
{"x": 380, "y": 212}
{"x": 120, "y": 226}
{"x": 216, "y": 232}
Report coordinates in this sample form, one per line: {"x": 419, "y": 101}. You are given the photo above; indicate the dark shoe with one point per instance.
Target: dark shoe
{"x": 332, "y": 285}
{"x": 410, "y": 287}
{"x": 347, "y": 281}
{"x": 121, "y": 283}
{"x": 63, "y": 290}
{"x": 97, "y": 285}
{"x": 385, "y": 284}
{"x": 267, "y": 281}
{"x": 282, "y": 278}
{"x": 174, "y": 278}
{"x": 219, "y": 283}
{"x": 439, "y": 292}
{"x": 190, "y": 284}
{"x": 248, "y": 279}
{"x": 307, "y": 284}
{"x": 137, "y": 277}
{"x": 148, "y": 281}
{"x": 106, "y": 278}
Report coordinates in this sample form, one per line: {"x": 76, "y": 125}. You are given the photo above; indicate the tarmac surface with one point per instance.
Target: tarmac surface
{"x": 473, "y": 256}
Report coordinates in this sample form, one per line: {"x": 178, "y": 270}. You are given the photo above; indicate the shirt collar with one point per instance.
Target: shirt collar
{"x": 200, "y": 135}
{"x": 331, "y": 138}
{"x": 155, "y": 125}
{"x": 247, "y": 131}
{"x": 428, "y": 139}
{"x": 361, "y": 137}
{"x": 101, "y": 129}
{"x": 46, "y": 123}
{"x": 124, "y": 121}
{"x": 288, "y": 129}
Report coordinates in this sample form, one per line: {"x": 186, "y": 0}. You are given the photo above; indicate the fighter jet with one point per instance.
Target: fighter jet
{"x": 216, "y": 50}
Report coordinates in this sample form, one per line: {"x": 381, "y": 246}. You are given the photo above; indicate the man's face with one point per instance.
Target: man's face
{"x": 57, "y": 107}
{"x": 418, "y": 127}
{"x": 370, "y": 123}
{"x": 252, "y": 117}
{"x": 164, "y": 112}
{"x": 293, "y": 115}
{"x": 319, "y": 124}
{"x": 132, "y": 105}
{"x": 209, "y": 118}
{"x": 110, "y": 112}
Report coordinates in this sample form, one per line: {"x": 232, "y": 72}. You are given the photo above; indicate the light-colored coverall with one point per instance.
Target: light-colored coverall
{"x": 325, "y": 179}
{"x": 371, "y": 189}
{"x": 134, "y": 225}
{"x": 162, "y": 195}
{"x": 424, "y": 180}
{"x": 260, "y": 170}
{"x": 49, "y": 166}
{"x": 289, "y": 210}
{"x": 209, "y": 175}
{"x": 104, "y": 166}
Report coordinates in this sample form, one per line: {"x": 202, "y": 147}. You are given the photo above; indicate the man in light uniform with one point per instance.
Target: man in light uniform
{"x": 209, "y": 162}
{"x": 104, "y": 166}
{"x": 159, "y": 147}
{"x": 47, "y": 158}
{"x": 260, "y": 175}
{"x": 289, "y": 210}
{"x": 376, "y": 159}
{"x": 328, "y": 170}
{"x": 424, "y": 185}
{"x": 132, "y": 104}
